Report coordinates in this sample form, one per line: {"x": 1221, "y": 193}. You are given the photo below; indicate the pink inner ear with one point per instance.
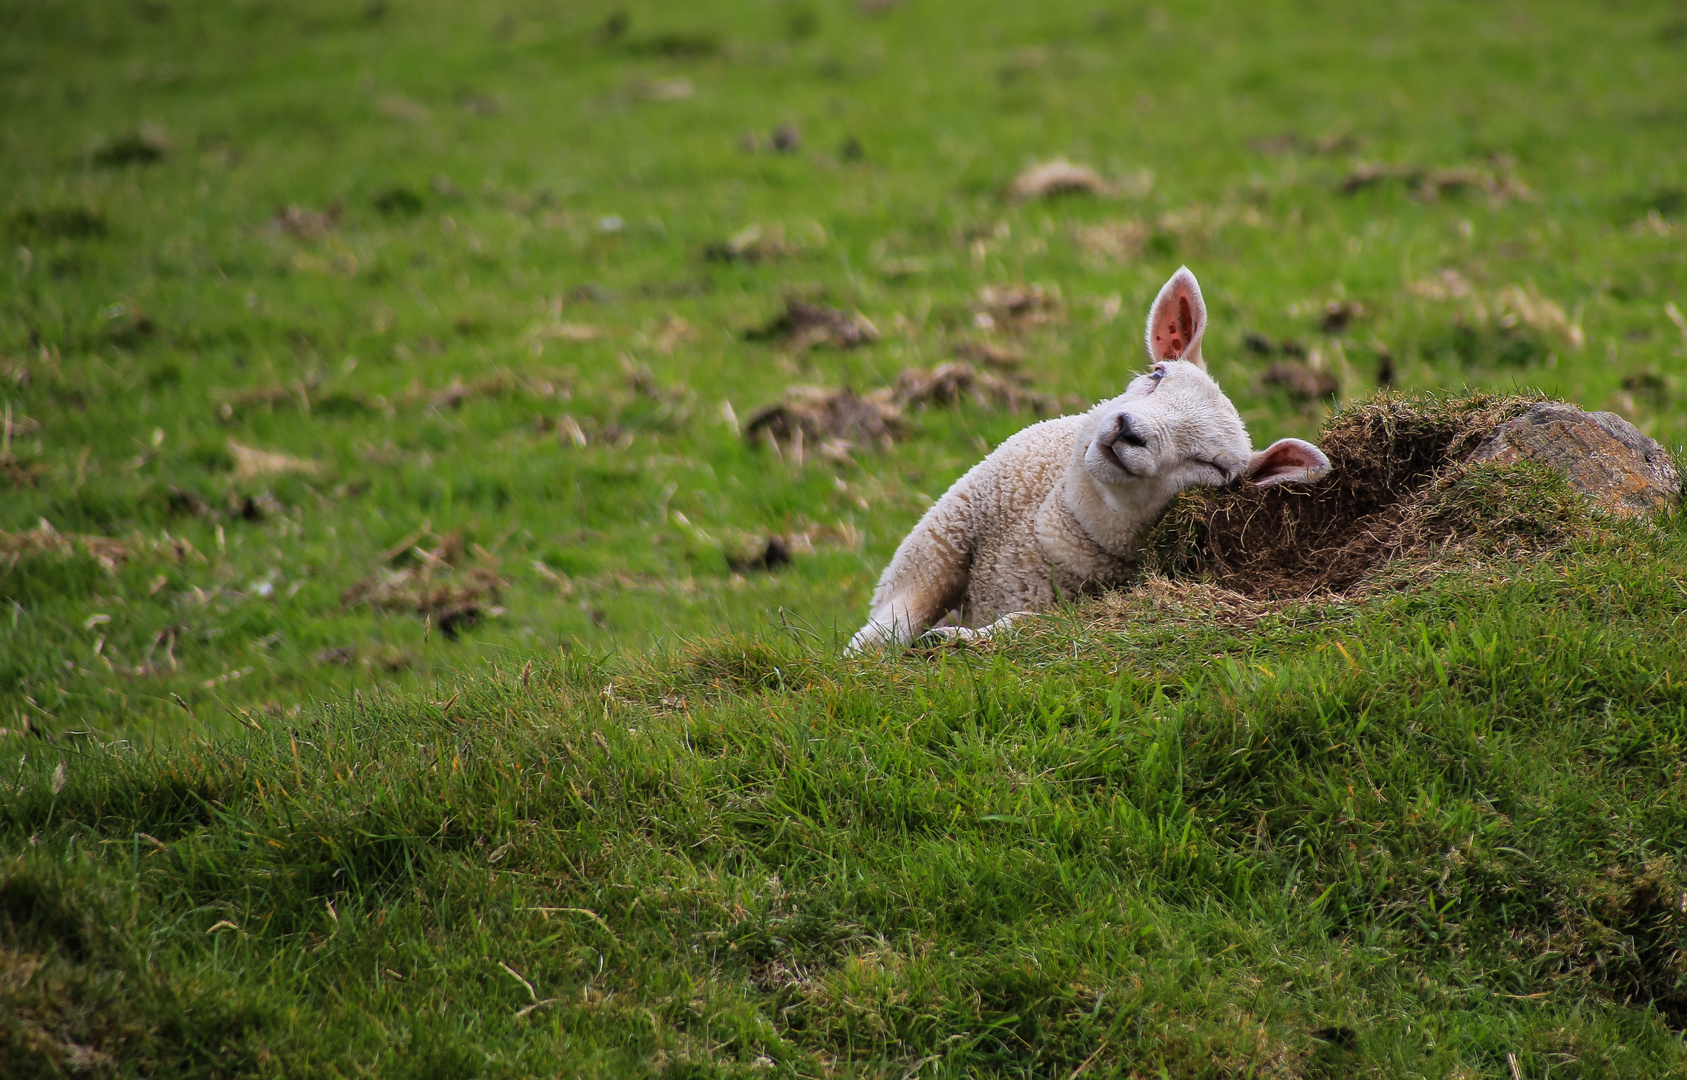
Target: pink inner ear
{"x": 1179, "y": 331}
{"x": 1287, "y": 460}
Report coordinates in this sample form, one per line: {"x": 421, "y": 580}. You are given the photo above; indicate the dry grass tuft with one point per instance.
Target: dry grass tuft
{"x": 307, "y": 224}
{"x": 751, "y": 244}
{"x": 108, "y": 551}
{"x": 1113, "y": 241}
{"x": 251, "y": 463}
{"x": 1046, "y": 179}
{"x": 990, "y": 355}
{"x": 1016, "y": 307}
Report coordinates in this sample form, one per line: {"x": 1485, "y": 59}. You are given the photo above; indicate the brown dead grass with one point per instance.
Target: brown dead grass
{"x": 306, "y": 224}
{"x": 1114, "y": 241}
{"x": 996, "y": 357}
{"x": 1399, "y": 489}
{"x": 108, "y": 551}
{"x": 1015, "y": 307}
{"x": 1509, "y": 308}
{"x": 1046, "y": 179}
{"x": 1498, "y": 182}
{"x": 251, "y": 463}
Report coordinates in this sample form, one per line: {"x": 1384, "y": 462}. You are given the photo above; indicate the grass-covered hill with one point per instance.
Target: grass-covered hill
{"x": 419, "y": 646}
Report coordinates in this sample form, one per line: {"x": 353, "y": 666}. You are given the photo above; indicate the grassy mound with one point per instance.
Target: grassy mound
{"x": 1426, "y": 834}
{"x": 1400, "y": 487}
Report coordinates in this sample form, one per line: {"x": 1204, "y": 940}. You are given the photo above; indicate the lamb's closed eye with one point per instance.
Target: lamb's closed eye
{"x": 1223, "y": 473}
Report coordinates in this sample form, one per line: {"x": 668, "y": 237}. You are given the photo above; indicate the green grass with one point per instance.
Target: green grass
{"x": 295, "y": 835}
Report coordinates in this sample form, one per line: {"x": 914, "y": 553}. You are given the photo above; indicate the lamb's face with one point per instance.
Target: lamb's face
{"x": 1172, "y": 428}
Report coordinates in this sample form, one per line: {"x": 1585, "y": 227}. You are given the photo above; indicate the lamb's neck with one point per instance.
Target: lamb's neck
{"x": 1114, "y": 520}
{"x": 1085, "y": 536}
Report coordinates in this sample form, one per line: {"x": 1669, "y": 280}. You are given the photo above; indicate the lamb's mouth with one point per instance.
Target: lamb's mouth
{"x": 1118, "y": 457}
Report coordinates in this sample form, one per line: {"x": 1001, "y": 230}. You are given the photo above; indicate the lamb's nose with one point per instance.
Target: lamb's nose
{"x": 1128, "y": 433}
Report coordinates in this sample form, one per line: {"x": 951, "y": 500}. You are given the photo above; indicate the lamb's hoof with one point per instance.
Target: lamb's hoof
{"x": 939, "y": 636}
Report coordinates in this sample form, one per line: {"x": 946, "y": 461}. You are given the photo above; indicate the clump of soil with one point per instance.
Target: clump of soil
{"x": 820, "y": 414}
{"x": 950, "y": 384}
{"x": 1301, "y": 381}
{"x": 802, "y": 326}
{"x": 1500, "y": 184}
{"x": 840, "y": 418}
{"x": 769, "y": 554}
{"x": 1015, "y": 307}
{"x": 1400, "y": 486}
{"x": 436, "y": 585}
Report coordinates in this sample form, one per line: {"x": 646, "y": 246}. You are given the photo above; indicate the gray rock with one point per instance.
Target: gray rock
{"x": 1605, "y": 457}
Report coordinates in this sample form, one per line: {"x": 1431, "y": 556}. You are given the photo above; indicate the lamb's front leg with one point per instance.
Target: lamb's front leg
{"x": 980, "y": 633}
{"x": 927, "y": 577}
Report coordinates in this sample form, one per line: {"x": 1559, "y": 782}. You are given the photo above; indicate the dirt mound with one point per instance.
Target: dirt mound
{"x": 1402, "y": 484}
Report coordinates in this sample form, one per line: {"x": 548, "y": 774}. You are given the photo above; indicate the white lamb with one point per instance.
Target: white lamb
{"x": 1060, "y": 509}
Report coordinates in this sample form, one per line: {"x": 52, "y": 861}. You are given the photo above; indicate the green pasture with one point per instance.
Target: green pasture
{"x": 309, "y": 310}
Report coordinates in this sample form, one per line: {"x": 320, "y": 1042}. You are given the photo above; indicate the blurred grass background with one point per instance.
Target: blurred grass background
{"x": 415, "y": 246}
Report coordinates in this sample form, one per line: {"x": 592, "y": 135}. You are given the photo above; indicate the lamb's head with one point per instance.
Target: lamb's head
{"x": 1173, "y": 427}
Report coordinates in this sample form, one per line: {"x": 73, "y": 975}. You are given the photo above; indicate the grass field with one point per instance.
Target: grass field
{"x": 395, "y": 681}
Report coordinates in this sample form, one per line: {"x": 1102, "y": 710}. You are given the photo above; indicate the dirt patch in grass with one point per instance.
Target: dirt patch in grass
{"x": 1301, "y": 381}
{"x": 817, "y": 414}
{"x": 304, "y": 223}
{"x": 835, "y": 420}
{"x": 20, "y": 474}
{"x": 438, "y": 583}
{"x": 1498, "y": 182}
{"x": 950, "y": 384}
{"x": 1015, "y": 307}
{"x": 1400, "y": 486}
{"x": 802, "y": 326}
{"x": 1627, "y": 933}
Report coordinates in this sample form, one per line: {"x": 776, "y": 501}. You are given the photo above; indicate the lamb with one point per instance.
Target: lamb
{"x": 1060, "y": 509}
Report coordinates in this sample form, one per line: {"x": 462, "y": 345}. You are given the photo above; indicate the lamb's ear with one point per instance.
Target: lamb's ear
{"x": 1287, "y": 461}
{"x": 1177, "y": 320}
